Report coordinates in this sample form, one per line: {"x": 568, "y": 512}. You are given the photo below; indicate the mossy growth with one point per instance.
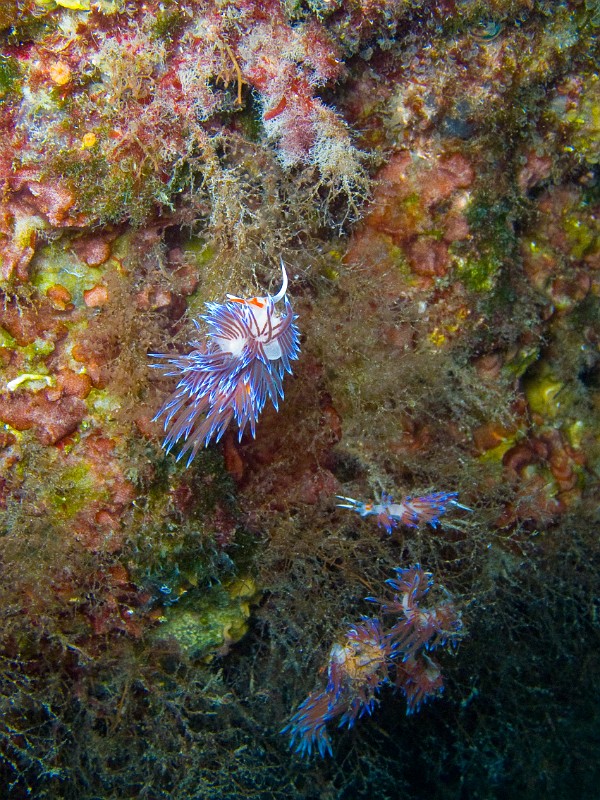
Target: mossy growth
{"x": 478, "y": 274}
{"x": 490, "y": 219}
{"x": 179, "y": 518}
{"x": 8, "y": 13}
{"x": 72, "y": 489}
{"x": 584, "y": 120}
{"x": 485, "y": 264}
{"x": 168, "y": 20}
{"x": 9, "y": 75}
{"x": 206, "y": 622}
{"x": 581, "y": 231}
{"x": 113, "y": 192}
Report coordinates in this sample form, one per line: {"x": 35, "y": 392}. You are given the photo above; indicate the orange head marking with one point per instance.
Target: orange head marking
{"x": 251, "y": 301}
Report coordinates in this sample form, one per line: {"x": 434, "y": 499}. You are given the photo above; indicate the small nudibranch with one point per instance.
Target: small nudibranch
{"x": 247, "y": 351}
{"x": 411, "y": 511}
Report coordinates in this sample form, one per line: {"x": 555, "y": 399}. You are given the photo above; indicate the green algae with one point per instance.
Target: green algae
{"x": 576, "y": 433}
{"x": 585, "y": 121}
{"x": 543, "y": 391}
{"x": 399, "y": 260}
{"x": 168, "y": 20}
{"x": 103, "y": 403}
{"x": 33, "y": 357}
{"x": 481, "y": 265}
{"x": 9, "y": 75}
{"x": 175, "y": 547}
{"x": 71, "y": 5}
{"x": 478, "y": 274}
{"x": 211, "y": 620}
{"x": 496, "y": 454}
{"x": 110, "y": 192}
{"x": 523, "y": 359}
{"x": 57, "y": 265}
{"x": 6, "y": 340}
{"x": 581, "y": 232}
{"x": 74, "y": 487}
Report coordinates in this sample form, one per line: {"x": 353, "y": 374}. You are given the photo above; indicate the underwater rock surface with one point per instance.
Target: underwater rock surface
{"x": 428, "y": 172}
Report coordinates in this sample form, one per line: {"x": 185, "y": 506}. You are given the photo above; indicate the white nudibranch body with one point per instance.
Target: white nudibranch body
{"x": 248, "y": 348}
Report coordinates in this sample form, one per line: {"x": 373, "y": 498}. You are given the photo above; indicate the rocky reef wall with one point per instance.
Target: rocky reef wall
{"x": 427, "y": 170}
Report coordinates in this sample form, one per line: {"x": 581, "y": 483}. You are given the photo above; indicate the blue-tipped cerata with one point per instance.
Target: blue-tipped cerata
{"x": 247, "y": 350}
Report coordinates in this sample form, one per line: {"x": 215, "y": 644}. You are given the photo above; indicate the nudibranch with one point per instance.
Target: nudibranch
{"x": 248, "y": 348}
{"x": 411, "y": 512}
